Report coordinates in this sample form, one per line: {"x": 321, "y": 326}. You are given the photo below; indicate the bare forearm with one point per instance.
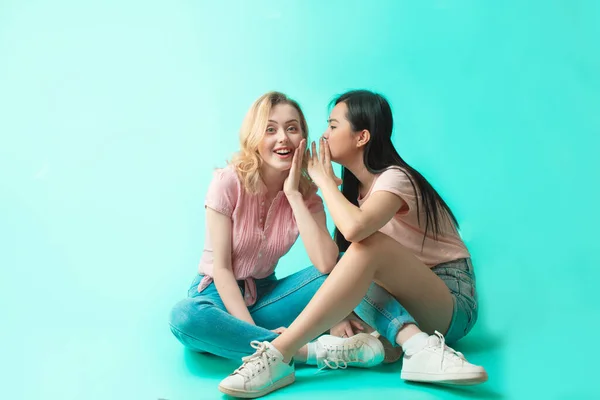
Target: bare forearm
{"x": 321, "y": 248}
{"x": 230, "y": 294}
{"x": 346, "y": 216}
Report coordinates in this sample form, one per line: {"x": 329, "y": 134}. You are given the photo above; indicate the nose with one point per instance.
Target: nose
{"x": 326, "y": 134}
{"x": 282, "y": 135}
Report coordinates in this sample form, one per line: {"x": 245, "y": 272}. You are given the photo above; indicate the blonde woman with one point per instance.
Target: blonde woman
{"x": 256, "y": 208}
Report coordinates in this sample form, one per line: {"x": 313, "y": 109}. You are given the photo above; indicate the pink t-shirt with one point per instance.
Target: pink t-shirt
{"x": 261, "y": 235}
{"x": 405, "y": 228}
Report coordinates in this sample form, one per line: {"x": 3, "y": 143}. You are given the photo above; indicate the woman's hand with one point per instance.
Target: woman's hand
{"x": 347, "y": 328}
{"x": 290, "y": 186}
{"x": 319, "y": 165}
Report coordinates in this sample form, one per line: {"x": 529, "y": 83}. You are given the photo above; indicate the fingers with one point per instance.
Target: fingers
{"x": 348, "y": 331}
{"x": 357, "y": 325}
{"x": 322, "y": 150}
{"x": 327, "y": 152}
{"x": 294, "y": 167}
{"x": 313, "y": 148}
{"x": 299, "y": 154}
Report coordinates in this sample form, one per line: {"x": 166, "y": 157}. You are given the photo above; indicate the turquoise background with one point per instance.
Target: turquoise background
{"x": 113, "y": 113}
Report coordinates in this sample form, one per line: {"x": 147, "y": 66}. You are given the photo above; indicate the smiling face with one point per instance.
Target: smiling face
{"x": 273, "y": 128}
{"x": 282, "y": 136}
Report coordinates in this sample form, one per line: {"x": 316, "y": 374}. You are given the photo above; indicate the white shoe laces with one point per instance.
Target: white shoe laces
{"x": 340, "y": 356}
{"x": 447, "y": 351}
{"x": 257, "y": 362}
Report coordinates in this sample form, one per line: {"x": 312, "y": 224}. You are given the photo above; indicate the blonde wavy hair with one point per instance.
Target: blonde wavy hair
{"x": 247, "y": 161}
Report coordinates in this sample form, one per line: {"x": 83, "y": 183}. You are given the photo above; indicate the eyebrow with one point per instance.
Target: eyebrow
{"x": 333, "y": 120}
{"x": 287, "y": 122}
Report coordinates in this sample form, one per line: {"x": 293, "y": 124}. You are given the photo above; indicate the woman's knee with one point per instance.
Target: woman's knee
{"x": 189, "y": 316}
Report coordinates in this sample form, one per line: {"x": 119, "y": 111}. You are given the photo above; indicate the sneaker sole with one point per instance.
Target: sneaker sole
{"x": 244, "y": 394}
{"x": 474, "y": 378}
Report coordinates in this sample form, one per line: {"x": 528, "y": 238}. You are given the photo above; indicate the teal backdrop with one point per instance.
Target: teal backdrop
{"x": 114, "y": 113}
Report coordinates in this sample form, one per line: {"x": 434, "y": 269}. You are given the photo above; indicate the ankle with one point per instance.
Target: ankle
{"x": 406, "y": 332}
{"x": 302, "y": 355}
{"x": 287, "y": 357}
{"x": 312, "y": 356}
{"x": 415, "y": 343}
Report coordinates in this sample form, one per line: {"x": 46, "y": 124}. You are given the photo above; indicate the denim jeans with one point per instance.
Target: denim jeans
{"x": 201, "y": 322}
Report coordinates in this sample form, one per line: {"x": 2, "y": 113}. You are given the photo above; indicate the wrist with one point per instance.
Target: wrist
{"x": 328, "y": 184}
{"x": 293, "y": 195}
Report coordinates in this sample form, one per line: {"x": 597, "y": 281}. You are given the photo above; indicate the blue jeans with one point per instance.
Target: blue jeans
{"x": 201, "y": 322}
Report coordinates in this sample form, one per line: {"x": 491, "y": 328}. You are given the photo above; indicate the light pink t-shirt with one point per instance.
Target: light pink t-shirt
{"x": 405, "y": 228}
{"x": 261, "y": 235}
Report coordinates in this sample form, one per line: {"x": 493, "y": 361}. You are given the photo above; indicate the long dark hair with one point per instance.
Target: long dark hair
{"x": 371, "y": 111}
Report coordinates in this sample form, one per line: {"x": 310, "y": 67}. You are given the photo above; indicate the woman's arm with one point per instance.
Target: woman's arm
{"x": 321, "y": 248}
{"x": 353, "y": 222}
{"x": 357, "y": 223}
{"x": 219, "y": 227}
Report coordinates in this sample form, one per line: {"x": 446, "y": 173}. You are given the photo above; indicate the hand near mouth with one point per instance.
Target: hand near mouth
{"x": 319, "y": 165}
{"x": 291, "y": 184}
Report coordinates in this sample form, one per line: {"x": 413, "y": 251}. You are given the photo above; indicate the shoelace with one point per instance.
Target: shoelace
{"x": 446, "y": 350}
{"x": 255, "y": 363}
{"x": 340, "y": 356}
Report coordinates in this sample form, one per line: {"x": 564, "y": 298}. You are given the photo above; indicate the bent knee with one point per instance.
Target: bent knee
{"x": 190, "y": 316}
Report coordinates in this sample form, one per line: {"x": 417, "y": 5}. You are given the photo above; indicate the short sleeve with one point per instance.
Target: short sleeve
{"x": 313, "y": 201}
{"x": 396, "y": 181}
{"x": 223, "y": 191}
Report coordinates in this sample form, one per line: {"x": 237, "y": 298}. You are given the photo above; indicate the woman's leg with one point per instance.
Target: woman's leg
{"x": 287, "y": 297}
{"x": 202, "y": 323}
{"x": 381, "y": 259}
{"x": 280, "y": 306}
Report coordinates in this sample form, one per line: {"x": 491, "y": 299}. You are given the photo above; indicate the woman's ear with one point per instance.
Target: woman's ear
{"x": 363, "y": 138}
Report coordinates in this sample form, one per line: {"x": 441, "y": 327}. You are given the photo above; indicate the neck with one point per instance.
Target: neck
{"x": 358, "y": 169}
{"x": 273, "y": 179}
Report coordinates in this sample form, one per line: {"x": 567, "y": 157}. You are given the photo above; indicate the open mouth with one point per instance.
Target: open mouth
{"x": 284, "y": 152}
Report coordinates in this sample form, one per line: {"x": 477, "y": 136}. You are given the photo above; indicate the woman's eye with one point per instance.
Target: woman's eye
{"x": 270, "y": 129}
{"x": 292, "y": 129}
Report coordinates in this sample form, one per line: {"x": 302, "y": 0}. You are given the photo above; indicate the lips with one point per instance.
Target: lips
{"x": 283, "y": 151}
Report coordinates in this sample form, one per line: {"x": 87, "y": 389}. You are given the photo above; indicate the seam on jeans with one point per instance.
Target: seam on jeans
{"x": 204, "y": 342}
{"x": 281, "y": 296}
{"x": 464, "y": 300}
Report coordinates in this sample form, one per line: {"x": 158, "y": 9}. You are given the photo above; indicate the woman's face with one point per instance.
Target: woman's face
{"x": 282, "y": 136}
{"x": 339, "y": 135}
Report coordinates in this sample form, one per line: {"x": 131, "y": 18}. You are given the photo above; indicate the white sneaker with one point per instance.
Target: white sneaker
{"x": 361, "y": 350}
{"x": 438, "y": 363}
{"x": 260, "y": 374}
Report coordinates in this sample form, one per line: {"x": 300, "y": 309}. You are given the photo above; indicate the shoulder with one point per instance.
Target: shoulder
{"x": 226, "y": 177}
{"x": 227, "y": 173}
{"x": 394, "y": 176}
{"x": 225, "y": 181}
